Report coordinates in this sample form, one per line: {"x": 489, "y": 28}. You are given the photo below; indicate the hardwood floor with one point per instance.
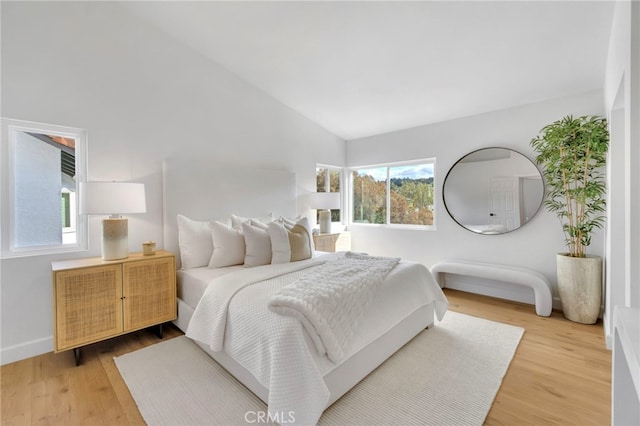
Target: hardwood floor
{"x": 561, "y": 374}
{"x": 50, "y": 390}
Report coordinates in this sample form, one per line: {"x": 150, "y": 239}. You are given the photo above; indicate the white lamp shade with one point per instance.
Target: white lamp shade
{"x": 325, "y": 200}
{"x": 112, "y": 198}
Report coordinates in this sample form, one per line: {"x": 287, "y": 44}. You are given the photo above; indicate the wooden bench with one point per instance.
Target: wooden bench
{"x": 511, "y": 274}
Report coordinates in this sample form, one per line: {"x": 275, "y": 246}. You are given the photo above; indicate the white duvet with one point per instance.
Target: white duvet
{"x": 233, "y": 316}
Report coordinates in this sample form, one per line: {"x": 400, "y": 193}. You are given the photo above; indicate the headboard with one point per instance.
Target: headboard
{"x": 203, "y": 190}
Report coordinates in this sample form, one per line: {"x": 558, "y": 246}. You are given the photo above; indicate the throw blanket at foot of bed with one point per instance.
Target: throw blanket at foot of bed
{"x": 330, "y": 300}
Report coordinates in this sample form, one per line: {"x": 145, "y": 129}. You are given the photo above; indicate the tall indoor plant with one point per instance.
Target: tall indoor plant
{"x": 572, "y": 153}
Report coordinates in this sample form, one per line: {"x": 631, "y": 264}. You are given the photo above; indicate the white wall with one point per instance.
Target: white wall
{"x": 142, "y": 96}
{"x": 622, "y": 103}
{"x": 532, "y": 246}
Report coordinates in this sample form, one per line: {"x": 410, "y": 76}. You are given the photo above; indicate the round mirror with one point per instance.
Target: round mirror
{"x": 493, "y": 191}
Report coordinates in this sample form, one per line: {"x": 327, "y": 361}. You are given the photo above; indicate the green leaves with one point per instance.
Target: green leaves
{"x": 572, "y": 153}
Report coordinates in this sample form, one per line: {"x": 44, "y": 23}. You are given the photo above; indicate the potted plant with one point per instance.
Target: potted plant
{"x": 572, "y": 153}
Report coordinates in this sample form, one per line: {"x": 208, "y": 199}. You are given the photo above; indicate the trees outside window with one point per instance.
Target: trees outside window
{"x": 369, "y": 195}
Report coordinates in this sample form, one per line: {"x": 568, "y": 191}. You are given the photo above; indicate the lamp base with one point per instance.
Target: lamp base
{"x": 115, "y": 241}
{"x": 325, "y": 221}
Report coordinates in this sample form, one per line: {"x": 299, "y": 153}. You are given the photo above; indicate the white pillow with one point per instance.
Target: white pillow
{"x": 237, "y": 221}
{"x": 290, "y": 243}
{"x": 194, "y": 240}
{"x": 258, "y": 245}
{"x": 228, "y": 246}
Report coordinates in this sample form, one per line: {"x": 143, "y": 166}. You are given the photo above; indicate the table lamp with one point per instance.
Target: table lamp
{"x": 113, "y": 199}
{"x": 325, "y": 202}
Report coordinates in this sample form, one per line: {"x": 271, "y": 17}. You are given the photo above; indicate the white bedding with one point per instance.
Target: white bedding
{"x": 329, "y": 300}
{"x": 193, "y": 282}
{"x": 272, "y": 346}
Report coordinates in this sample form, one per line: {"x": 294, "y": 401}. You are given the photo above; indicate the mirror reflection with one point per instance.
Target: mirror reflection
{"x": 493, "y": 191}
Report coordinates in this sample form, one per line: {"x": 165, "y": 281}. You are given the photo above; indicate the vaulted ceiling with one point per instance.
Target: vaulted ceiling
{"x": 365, "y": 68}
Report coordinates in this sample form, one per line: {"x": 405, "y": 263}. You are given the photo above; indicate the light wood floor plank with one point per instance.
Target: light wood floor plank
{"x": 560, "y": 375}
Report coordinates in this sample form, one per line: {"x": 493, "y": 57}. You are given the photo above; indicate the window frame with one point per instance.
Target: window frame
{"x": 10, "y": 128}
{"x": 387, "y": 224}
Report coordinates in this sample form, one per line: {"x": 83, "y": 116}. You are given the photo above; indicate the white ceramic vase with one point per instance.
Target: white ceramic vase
{"x": 580, "y": 287}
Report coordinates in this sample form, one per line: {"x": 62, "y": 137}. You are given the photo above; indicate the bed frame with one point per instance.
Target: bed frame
{"x": 203, "y": 191}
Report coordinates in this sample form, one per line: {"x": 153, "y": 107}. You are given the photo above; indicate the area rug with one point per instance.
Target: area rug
{"x": 447, "y": 375}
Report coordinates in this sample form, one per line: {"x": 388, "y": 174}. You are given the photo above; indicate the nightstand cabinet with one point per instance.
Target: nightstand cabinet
{"x": 333, "y": 242}
{"x": 96, "y": 299}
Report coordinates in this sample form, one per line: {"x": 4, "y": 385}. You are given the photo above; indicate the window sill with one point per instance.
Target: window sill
{"x": 45, "y": 251}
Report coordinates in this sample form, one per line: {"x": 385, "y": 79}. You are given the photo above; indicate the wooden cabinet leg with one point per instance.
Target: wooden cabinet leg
{"x": 76, "y": 355}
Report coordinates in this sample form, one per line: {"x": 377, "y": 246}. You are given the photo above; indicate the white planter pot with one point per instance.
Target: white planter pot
{"x": 580, "y": 287}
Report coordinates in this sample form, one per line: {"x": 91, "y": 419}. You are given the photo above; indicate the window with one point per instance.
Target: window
{"x": 44, "y": 164}
{"x": 328, "y": 179}
{"x": 394, "y": 194}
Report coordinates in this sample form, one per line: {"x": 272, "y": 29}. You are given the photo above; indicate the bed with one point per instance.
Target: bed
{"x": 287, "y": 370}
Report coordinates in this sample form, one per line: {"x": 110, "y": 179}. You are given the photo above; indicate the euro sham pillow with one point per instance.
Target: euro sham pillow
{"x": 194, "y": 241}
{"x": 290, "y": 242}
{"x": 228, "y": 246}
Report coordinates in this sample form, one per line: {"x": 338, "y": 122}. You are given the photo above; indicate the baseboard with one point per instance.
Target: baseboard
{"x": 498, "y": 289}
{"x": 26, "y": 350}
